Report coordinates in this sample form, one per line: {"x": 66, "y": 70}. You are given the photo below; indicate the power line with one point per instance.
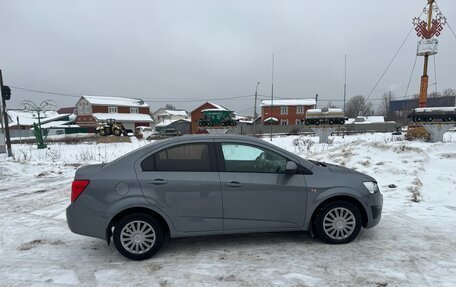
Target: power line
{"x": 325, "y": 100}
{"x": 394, "y": 57}
{"x": 389, "y": 64}
{"x": 451, "y": 30}
{"x": 152, "y": 100}
{"x": 44, "y": 92}
{"x": 435, "y": 75}
{"x": 410, "y": 79}
{"x": 199, "y": 100}
{"x": 446, "y": 21}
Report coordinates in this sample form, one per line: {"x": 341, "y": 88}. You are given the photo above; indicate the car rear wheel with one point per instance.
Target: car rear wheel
{"x": 338, "y": 222}
{"x": 138, "y": 236}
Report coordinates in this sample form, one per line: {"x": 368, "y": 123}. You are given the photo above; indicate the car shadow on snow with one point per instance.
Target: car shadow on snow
{"x": 238, "y": 241}
{"x": 241, "y": 243}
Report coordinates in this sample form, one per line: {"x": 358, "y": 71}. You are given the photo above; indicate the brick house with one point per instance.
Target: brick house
{"x": 285, "y": 112}
{"x": 196, "y": 115}
{"x": 130, "y": 112}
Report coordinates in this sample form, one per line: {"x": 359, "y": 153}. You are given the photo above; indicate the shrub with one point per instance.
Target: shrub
{"x": 415, "y": 132}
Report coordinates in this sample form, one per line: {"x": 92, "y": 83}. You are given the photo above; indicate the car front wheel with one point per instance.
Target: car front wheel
{"x": 338, "y": 222}
{"x": 138, "y": 236}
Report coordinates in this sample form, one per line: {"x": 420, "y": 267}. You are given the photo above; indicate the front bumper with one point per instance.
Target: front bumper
{"x": 375, "y": 209}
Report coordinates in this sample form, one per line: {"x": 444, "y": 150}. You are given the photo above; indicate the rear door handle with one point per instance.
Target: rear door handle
{"x": 233, "y": 184}
{"x": 158, "y": 181}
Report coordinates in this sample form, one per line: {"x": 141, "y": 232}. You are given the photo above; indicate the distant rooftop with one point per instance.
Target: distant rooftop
{"x": 173, "y": 112}
{"x": 106, "y": 101}
{"x": 289, "y": 102}
{"x": 27, "y": 118}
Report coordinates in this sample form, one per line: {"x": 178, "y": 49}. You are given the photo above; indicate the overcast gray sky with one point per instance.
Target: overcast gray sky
{"x": 174, "y": 51}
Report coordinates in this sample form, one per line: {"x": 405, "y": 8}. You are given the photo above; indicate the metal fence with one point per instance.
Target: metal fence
{"x": 244, "y": 129}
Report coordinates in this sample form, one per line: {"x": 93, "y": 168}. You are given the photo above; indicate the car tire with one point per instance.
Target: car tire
{"x": 338, "y": 222}
{"x": 138, "y": 236}
{"x": 102, "y": 132}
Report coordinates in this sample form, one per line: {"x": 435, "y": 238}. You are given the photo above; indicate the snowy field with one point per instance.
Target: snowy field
{"x": 414, "y": 244}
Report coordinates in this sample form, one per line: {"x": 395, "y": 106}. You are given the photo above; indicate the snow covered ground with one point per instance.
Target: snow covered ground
{"x": 414, "y": 244}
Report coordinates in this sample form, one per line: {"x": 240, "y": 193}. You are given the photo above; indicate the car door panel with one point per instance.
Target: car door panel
{"x": 192, "y": 200}
{"x": 263, "y": 201}
{"x": 189, "y": 194}
{"x": 258, "y": 200}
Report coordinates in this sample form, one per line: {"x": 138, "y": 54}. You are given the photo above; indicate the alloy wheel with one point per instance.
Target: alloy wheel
{"x": 137, "y": 237}
{"x": 339, "y": 223}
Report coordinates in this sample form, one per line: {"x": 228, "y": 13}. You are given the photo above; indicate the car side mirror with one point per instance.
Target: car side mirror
{"x": 291, "y": 167}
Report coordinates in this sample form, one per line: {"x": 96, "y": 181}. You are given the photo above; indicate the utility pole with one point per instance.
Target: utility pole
{"x": 388, "y": 106}
{"x": 255, "y": 114}
{"x": 425, "y": 78}
{"x": 345, "y": 80}
{"x": 6, "y": 96}
{"x": 428, "y": 31}
{"x": 272, "y": 94}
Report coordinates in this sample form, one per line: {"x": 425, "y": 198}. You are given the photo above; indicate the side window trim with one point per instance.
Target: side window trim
{"x": 221, "y": 158}
{"x": 211, "y": 150}
{"x": 221, "y": 161}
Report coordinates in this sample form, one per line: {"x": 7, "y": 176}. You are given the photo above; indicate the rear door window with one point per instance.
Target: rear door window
{"x": 186, "y": 157}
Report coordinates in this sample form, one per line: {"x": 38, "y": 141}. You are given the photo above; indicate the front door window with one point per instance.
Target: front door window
{"x": 247, "y": 158}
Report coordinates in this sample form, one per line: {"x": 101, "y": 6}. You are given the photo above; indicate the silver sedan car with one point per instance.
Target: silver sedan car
{"x": 209, "y": 185}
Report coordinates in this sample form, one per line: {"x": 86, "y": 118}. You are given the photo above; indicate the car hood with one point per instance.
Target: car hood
{"x": 337, "y": 169}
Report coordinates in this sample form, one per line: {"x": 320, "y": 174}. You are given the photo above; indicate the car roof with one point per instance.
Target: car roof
{"x": 219, "y": 136}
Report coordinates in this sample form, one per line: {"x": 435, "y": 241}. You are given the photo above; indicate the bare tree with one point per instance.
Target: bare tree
{"x": 357, "y": 106}
{"x": 170, "y": 107}
{"x": 449, "y": 93}
{"x": 435, "y": 94}
{"x": 385, "y": 104}
{"x": 330, "y": 105}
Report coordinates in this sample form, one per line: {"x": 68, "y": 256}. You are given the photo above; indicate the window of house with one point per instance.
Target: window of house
{"x": 187, "y": 157}
{"x": 247, "y": 158}
{"x": 300, "y": 110}
{"x": 298, "y": 122}
{"x": 112, "y": 109}
{"x": 284, "y": 110}
{"x": 284, "y": 122}
{"x": 134, "y": 111}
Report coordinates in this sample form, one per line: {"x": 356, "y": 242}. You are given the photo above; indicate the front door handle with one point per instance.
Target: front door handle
{"x": 233, "y": 184}
{"x": 158, "y": 181}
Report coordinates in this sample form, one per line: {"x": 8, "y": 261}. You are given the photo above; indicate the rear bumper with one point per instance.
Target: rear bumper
{"x": 84, "y": 221}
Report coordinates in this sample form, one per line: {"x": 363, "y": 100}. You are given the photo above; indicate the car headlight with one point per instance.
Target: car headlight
{"x": 371, "y": 186}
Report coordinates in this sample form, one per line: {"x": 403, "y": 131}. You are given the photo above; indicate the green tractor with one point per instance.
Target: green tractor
{"x": 110, "y": 127}
{"x": 215, "y": 117}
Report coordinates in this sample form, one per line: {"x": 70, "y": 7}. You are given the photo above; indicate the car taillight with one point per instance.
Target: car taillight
{"x": 77, "y": 188}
